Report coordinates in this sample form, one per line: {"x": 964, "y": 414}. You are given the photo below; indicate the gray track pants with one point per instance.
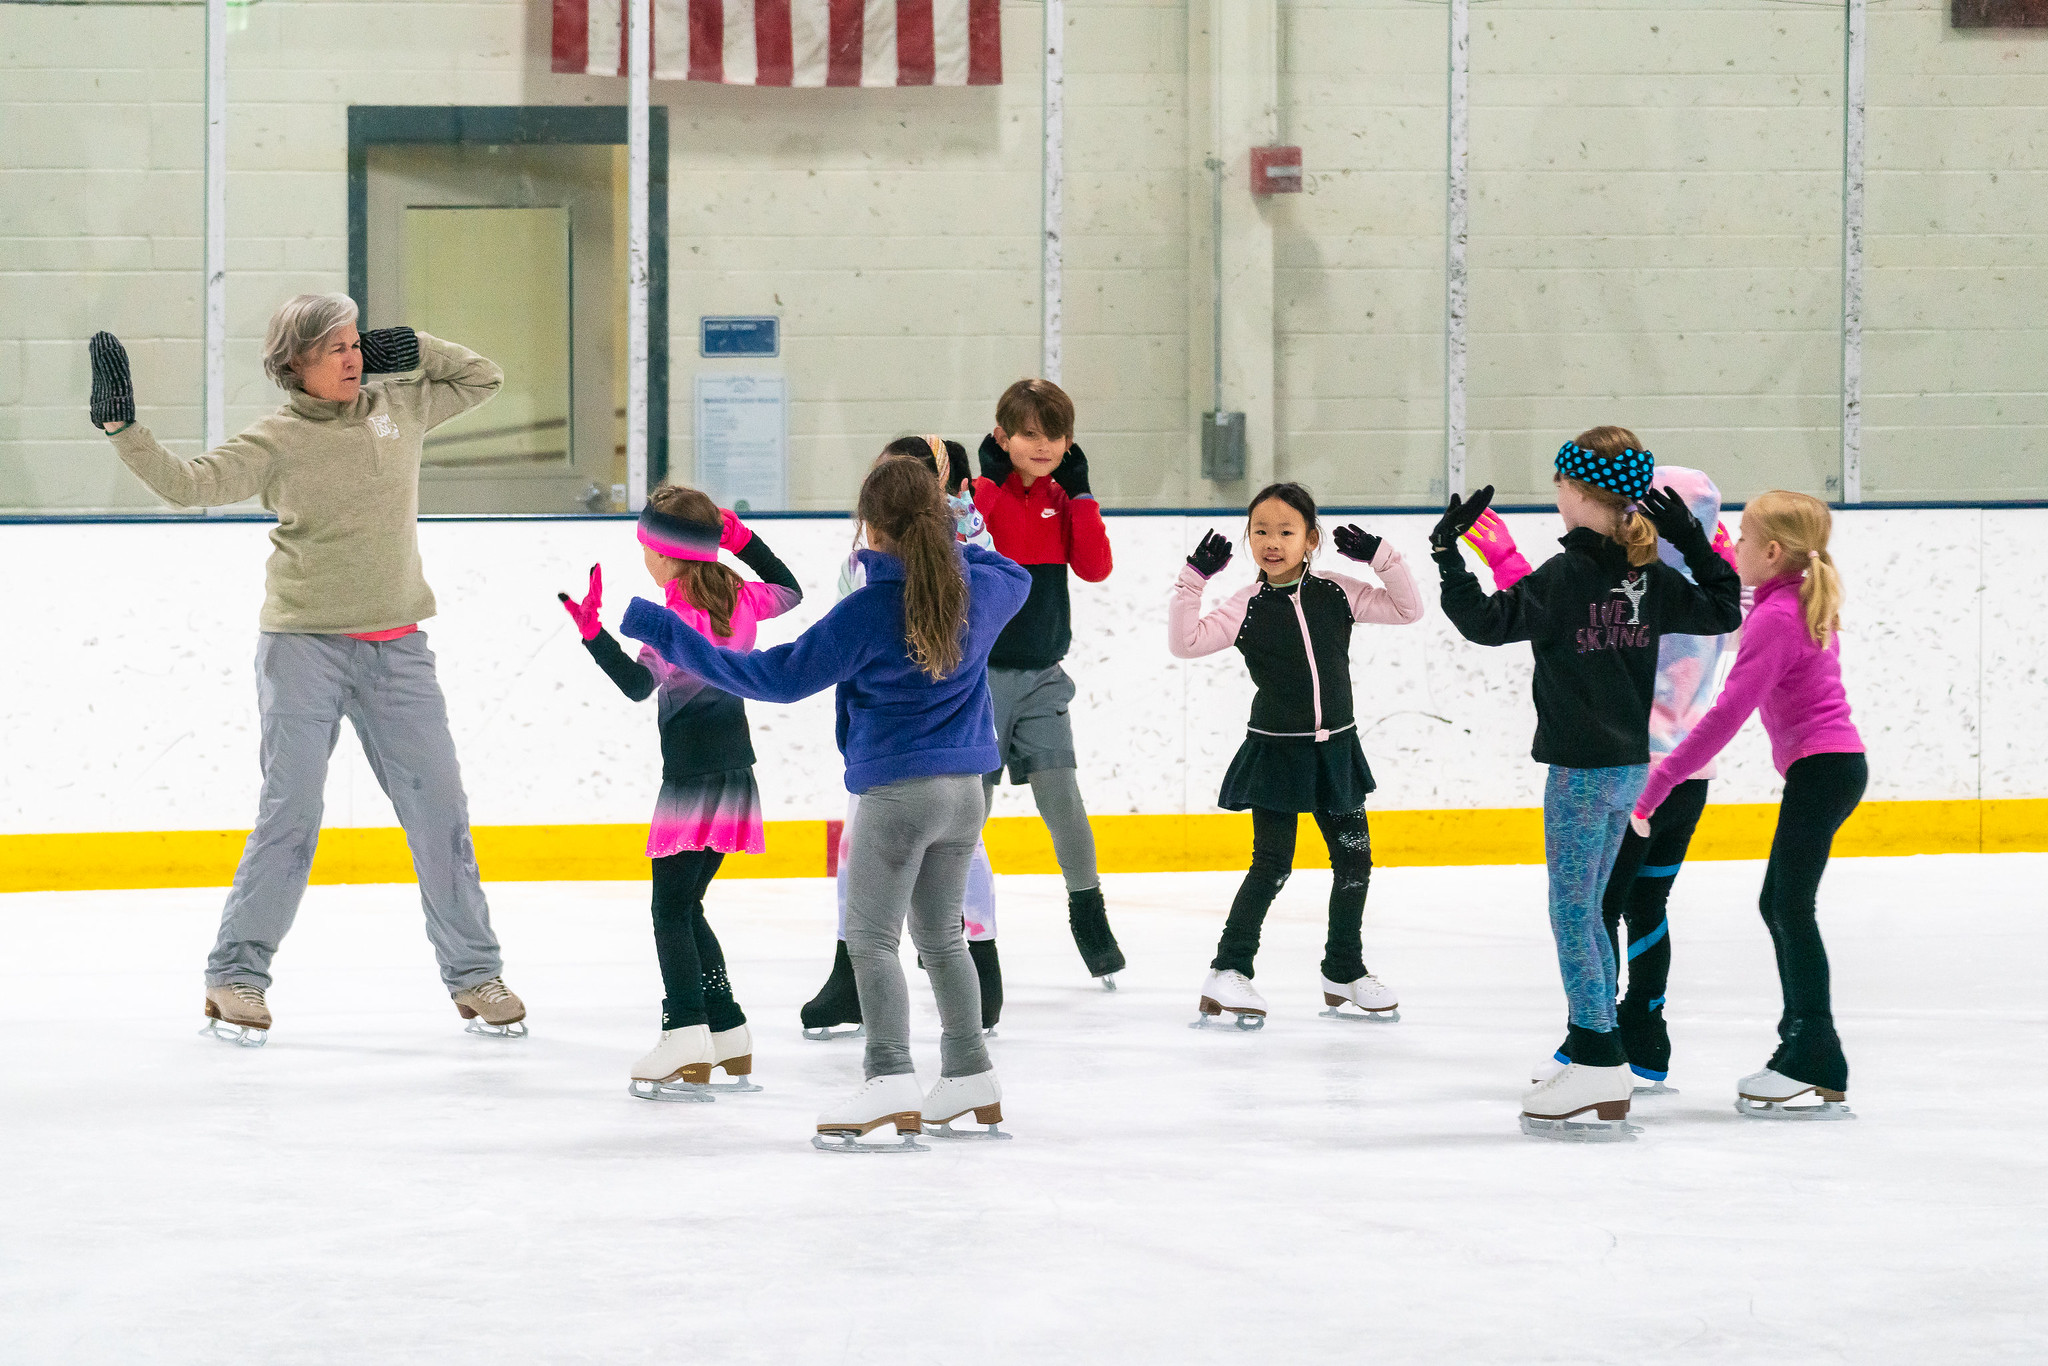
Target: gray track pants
{"x": 305, "y": 685}
{"x": 911, "y": 845}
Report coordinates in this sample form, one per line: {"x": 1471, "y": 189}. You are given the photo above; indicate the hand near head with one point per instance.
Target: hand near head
{"x": 733, "y": 534}
{"x": 1459, "y": 516}
{"x": 390, "y": 350}
{"x": 584, "y": 613}
{"x": 1667, "y": 511}
{"x": 1071, "y": 473}
{"x": 1356, "y": 543}
{"x": 113, "y": 390}
{"x": 1724, "y": 544}
{"x": 1211, "y": 555}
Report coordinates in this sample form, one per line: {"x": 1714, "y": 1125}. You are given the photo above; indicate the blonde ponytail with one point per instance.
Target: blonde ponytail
{"x": 1802, "y": 524}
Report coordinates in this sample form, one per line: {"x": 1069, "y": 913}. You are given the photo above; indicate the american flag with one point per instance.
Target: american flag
{"x": 792, "y": 42}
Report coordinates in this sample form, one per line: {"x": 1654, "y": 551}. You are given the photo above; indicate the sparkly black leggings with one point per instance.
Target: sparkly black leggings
{"x": 1350, "y": 844}
{"x": 695, "y": 989}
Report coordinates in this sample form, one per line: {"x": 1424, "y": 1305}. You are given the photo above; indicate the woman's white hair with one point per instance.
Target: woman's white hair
{"x": 299, "y": 325}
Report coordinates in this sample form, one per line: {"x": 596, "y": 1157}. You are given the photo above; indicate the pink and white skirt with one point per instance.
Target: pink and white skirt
{"x": 720, "y": 811}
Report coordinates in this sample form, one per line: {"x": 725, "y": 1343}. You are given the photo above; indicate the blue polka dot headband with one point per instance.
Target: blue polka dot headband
{"x": 1627, "y": 472}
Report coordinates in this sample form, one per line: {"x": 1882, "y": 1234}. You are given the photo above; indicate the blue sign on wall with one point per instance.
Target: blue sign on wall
{"x": 740, "y": 337}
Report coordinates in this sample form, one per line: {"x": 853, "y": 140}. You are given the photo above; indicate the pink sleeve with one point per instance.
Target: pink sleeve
{"x": 656, "y": 665}
{"x": 767, "y": 600}
{"x": 1190, "y": 633}
{"x": 1765, "y": 651}
{"x": 1398, "y": 604}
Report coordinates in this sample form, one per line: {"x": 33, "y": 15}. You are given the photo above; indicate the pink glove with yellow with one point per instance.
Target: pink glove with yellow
{"x": 1724, "y": 544}
{"x": 584, "y": 613}
{"x": 1491, "y": 542}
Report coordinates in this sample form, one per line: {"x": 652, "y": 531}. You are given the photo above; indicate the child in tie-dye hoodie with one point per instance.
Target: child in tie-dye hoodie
{"x": 709, "y": 805}
{"x": 1688, "y": 670}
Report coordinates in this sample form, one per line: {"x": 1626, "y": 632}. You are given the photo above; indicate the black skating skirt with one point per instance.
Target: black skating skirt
{"x": 1273, "y": 774}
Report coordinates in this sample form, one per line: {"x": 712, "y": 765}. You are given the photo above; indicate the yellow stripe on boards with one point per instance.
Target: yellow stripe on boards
{"x": 1214, "y": 842}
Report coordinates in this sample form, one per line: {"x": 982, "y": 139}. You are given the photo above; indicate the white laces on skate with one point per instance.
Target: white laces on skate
{"x": 493, "y": 991}
{"x": 248, "y": 995}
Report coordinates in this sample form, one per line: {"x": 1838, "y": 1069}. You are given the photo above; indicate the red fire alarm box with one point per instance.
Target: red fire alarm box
{"x": 1276, "y": 170}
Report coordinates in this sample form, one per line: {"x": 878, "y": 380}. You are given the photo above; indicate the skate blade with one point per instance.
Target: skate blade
{"x": 515, "y": 1030}
{"x": 1656, "y": 1088}
{"x": 947, "y": 1131}
{"x": 1391, "y": 1015}
{"x": 1581, "y": 1131}
{"x": 679, "y": 1091}
{"x": 826, "y": 1032}
{"x": 1108, "y": 980}
{"x": 1778, "y": 1109}
{"x": 1245, "y": 1021}
{"x": 241, "y": 1036}
{"x": 843, "y": 1142}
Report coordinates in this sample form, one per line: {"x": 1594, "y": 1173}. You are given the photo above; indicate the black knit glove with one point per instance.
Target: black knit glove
{"x": 1459, "y": 515}
{"x": 1072, "y": 474}
{"x": 1356, "y": 543}
{"x": 957, "y": 472}
{"x": 113, "y": 391}
{"x": 1211, "y": 555}
{"x": 1673, "y": 519}
{"x": 390, "y": 351}
{"x": 995, "y": 461}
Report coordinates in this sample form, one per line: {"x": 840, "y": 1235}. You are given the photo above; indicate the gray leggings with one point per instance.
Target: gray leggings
{"x": 911, "y": 845}
{"x": 1058, "y": 794}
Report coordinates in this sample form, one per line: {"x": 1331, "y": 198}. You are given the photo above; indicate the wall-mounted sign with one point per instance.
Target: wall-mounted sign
{"x": 743, "y": 440}
{"x": 739, "y": 336}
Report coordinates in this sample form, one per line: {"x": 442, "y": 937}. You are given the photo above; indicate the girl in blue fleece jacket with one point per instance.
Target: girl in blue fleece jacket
{"x": 908, "y": 655}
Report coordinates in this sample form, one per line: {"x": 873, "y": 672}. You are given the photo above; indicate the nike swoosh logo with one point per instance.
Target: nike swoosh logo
{"x": 1045, "y": 512}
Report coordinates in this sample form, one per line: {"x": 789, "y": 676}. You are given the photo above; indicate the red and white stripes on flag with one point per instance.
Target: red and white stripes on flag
{"x": 792, "y": 42}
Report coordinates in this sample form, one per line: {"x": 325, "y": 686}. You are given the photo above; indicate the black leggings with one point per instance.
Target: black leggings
{"x": 1639, "y": 888}
{"x": 1820, "y": 792}
{"x": 1350, "y": 844}
{"x": 695, "y": 989}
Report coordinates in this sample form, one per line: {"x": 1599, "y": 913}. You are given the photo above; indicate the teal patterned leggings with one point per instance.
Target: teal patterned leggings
{"x": 1585, "y": 814}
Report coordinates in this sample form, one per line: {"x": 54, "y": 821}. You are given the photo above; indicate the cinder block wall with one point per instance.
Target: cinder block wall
{"x": 1655, "y": 234}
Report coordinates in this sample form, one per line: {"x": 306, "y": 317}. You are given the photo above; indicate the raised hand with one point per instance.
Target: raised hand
{"x": 1459, "y": 516}
{"x": 1211, "y": 555}
{"x": 1724, "y": 544}
{"x": 1071, "y": 474}
{"x": 113, "y": 390}
{"x": 1356, "y": 543}
{"x": 1673, "y": 519}
{"x": 995, "y": 461}
{"x": 733, "y": 534}
{"x": 1495, "y": 546}
{"x": 391, "y": 351}
{"x": 584, "y": 613}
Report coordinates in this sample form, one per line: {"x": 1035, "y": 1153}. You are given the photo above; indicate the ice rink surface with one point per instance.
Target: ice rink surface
{"x": 377, "y": 1186}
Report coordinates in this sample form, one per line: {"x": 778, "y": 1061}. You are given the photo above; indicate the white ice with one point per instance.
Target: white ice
{"x": 377, "y": 1186}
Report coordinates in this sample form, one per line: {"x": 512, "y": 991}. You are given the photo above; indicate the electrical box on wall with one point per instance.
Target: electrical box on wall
{"x": 1223, "y": 447}
{"x": 1276, "y": 170}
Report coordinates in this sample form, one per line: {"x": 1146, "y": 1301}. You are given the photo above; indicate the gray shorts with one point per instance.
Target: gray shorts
{"x": 1033, "y": 730}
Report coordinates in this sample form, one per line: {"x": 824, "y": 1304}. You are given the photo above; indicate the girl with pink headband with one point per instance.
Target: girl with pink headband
{"x": 709, "y": 805}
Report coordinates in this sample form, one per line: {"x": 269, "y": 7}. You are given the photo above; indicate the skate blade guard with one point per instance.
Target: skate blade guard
{"x": 990, "y": 1115}
{"x": 1212, "y": 1017}
{"x": 241, "y": 1036}
{"x": 826, "y": 1033}
{"x": 1826, "y": 1105}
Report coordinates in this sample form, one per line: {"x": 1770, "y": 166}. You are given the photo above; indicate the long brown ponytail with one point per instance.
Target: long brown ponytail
{"x": 901, "y": 498}
{"x": 711, "y": 588}
{"x": 1801, "y": 524}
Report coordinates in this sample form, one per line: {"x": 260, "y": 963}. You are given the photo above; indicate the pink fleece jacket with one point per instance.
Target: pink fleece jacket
{"x": 1780, "y": 671}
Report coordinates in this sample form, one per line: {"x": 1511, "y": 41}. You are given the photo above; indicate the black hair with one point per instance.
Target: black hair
{"x": 1292, "y": 494}
{"x": 919, "y": 448}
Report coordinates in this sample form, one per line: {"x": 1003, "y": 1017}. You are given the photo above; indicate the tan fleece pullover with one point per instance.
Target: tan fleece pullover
{"x": 344, "y": 481}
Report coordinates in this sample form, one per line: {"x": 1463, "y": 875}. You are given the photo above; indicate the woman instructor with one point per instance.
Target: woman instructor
{"x": 339, "y": 464}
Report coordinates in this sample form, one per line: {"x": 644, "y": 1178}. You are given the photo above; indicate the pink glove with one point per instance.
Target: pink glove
{"x": 1724, "y": 544}
{"x": 584, "y": 613}
{"x": 1491, "y": 542}
{"x": 732, "y": 533}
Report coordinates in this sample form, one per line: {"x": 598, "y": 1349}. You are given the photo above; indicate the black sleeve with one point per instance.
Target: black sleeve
{"x": 1517, "y": 613}
{"x": 635, "y": 679}
{"x": 756, "y": 556}
{"x": 1711, "y": 604}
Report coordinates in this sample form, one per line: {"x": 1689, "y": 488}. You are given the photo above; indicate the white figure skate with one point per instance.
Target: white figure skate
{"x": 1551, "y": 1110}
{"x": 236, "y": 1014}
{"x": 1231, "y": 990}
{"x": 1373, "y": 997}
{"x": 664, "y": 1074}
{"x": 492, "y": 1010}
{"x": 1764, "y": 1095}
{"x": 733, "y": 1050}
{"x": 1548, "y": 1068}
{"x": 953, "y": 1097}
{"x": 882, "y": 1100}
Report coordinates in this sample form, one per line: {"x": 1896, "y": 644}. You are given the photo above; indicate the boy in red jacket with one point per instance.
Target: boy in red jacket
{"x": 1034, "y": 496}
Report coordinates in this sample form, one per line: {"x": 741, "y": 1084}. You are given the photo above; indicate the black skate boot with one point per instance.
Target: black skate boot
{"x": 1648, "y": 1045}
{"x": 990, "y": 970}
{"x": 1089, "y": 920}
{"x": 1812, "y": 1053}
{"x": 837, "y": 1004}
